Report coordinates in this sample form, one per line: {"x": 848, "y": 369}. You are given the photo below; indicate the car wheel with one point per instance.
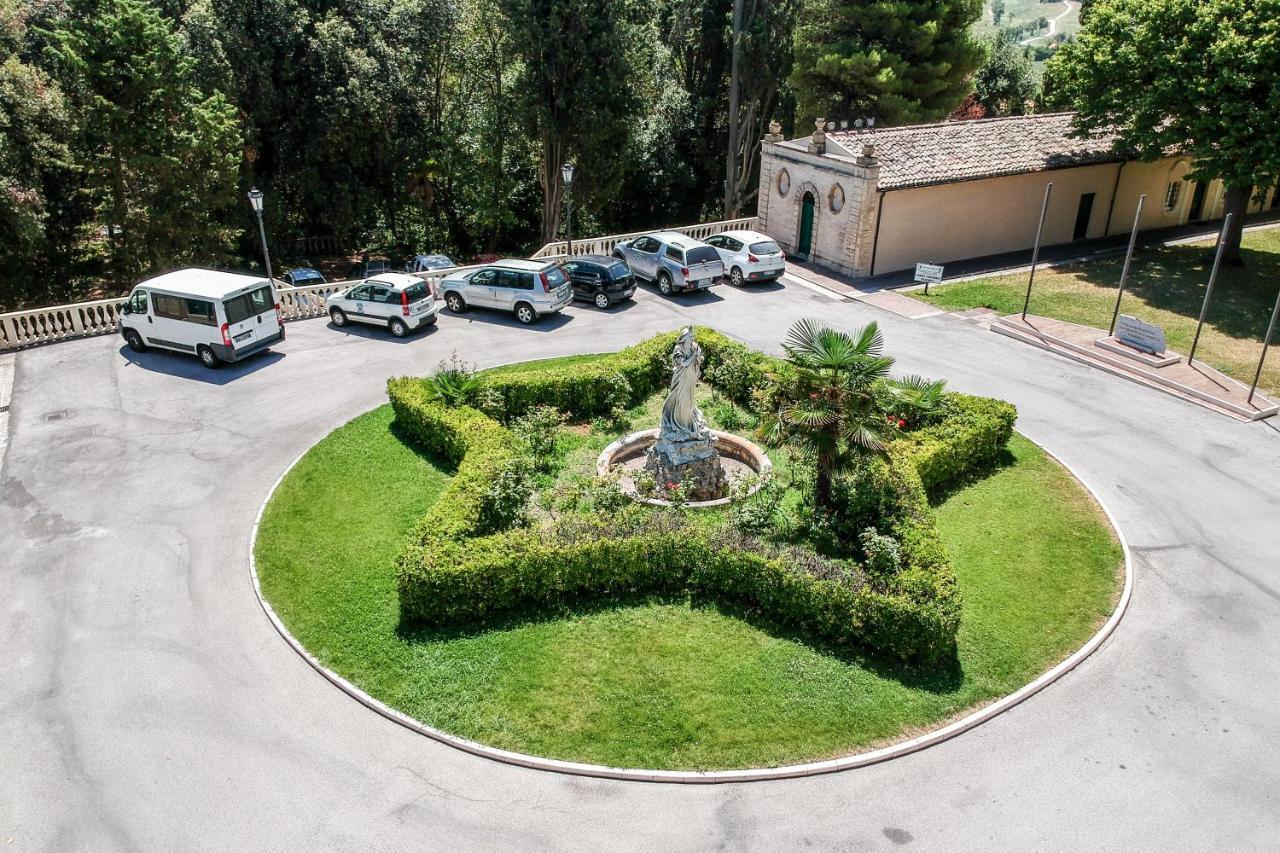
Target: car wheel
{"x": 338, "y": 317}
{"x": 664, "y": 283}
{"x": 455, "y": 303}
{"x": 735, "y": 277}
{"x": 397, "y": 327}
{"x": 134, "y": 340}
{"x": 602, "y": 301}
{"x": 207, "y": 357}
{"x": 525, "y": 313}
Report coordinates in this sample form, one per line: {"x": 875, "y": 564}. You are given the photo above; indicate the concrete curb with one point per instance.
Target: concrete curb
{"x": 792, "y": 771}
{"x": 8, "y": 366}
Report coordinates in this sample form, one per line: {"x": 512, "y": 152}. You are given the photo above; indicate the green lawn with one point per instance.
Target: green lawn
{"x": 1166, "y": 287}
{"x": 665, "y": 684}
{"x": 522, "y": 367}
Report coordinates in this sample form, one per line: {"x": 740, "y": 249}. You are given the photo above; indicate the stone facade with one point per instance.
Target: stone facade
{"x": 845, "y": 198}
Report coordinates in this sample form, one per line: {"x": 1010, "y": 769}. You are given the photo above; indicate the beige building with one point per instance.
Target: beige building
{"x": 866, "y": 202}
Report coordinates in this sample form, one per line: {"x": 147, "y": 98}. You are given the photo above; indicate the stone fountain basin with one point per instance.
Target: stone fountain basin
{"x": 739, "y": 457}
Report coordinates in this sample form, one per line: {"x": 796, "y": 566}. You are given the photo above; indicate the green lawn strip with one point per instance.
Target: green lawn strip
{"x": 523, "y": 367}
{"x": 670, "y": 684}
{"x": 1166, "y": 287}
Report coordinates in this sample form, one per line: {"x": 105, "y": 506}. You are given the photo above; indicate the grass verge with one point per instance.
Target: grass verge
{"x": 1166, "y": 287}
{"x": 668, "y": 685}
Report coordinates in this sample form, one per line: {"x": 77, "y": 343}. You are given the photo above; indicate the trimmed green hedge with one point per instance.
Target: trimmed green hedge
{"x": 466, "y": 563}
{"x": 624, "y": 378}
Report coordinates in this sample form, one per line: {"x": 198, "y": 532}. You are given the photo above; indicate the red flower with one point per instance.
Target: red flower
{"x": 901, "y": 423}
{"x": 673, "y": 485}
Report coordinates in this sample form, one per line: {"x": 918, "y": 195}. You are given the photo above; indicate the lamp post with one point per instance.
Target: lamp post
{"x": 566, "y": 172}
{"x": 255, "y": 199}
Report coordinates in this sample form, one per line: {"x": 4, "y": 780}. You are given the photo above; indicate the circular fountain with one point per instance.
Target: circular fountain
{"x": 683, "y": 450}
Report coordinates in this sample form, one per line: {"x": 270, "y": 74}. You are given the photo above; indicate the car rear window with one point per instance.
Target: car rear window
{"x": 416, "y": 291}
{"x": 766, "y": 247}
{"x": 619, "y": 272}
{"x": 555, "y": 277}
{"x": 702, "y": 254}
{"x": 248, "y": 305}
{"x": 675, "y": 254}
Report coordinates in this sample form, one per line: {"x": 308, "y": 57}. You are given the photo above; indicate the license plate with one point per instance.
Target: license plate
{"x": 422, "y": 307}
{"x": 243, "y": 336}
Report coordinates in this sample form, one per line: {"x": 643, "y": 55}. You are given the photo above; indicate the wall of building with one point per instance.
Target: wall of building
{"x": 842, "y": 238}
{"x": 970, "y": 219}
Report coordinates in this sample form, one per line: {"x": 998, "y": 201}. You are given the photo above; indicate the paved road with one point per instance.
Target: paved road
{"x": 147, "y": 703}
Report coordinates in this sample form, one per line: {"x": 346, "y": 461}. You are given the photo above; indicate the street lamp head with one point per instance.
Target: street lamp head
{"x": 566, "y": 172}
{"x": 255, "y": 199}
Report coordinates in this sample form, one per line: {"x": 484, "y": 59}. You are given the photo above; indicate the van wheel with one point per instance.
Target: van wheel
{"x": 397, "y": 327}
{"x": 338, "y": 316}
{"x": 602, "y": 301}
{"x": 455, "y": 303}
{"x": 735, "y": 277}
{"x": 525, "y": 313}
{"x": 207, "y": 357}
{"x": 664, "y": 283}
{"x": 134, "y": 340}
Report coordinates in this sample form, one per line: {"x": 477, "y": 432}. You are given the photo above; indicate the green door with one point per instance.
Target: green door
{"x": 805, "y": 242}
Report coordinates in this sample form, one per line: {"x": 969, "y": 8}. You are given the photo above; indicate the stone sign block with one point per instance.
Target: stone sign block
{"x": 1139, "y": 335}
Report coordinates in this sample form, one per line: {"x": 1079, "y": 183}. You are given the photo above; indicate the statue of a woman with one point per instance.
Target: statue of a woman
{"x": 681, "y": 419}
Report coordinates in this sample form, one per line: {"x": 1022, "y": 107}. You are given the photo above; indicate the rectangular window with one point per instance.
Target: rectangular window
{"x": 555, "y": 277}
{"x": 1083, "y": 214}
{"x": 242, "y": 307}
{"x": 675, "y": 254}
{"x": 416, "y": 291}
{"x": 702, "y": 255}
{"x": 766, "y": 247}
{"x": 186, "y": 310}
{"x": 1171, "y": 195}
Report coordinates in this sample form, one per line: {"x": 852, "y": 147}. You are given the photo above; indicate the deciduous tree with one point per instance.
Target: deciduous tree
{"x": 1196, "y": 76}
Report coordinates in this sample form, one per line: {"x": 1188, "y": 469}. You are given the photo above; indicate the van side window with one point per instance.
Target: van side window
{"x": 139, "y": 302}
{"x": 186, "y": 310}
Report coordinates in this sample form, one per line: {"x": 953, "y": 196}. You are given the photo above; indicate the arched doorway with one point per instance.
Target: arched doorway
{"x": 804, "y": 242}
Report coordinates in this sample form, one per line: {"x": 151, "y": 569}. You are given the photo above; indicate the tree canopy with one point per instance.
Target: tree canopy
{"x": 900, "y": 61}
{"x": 1196, "y": 76}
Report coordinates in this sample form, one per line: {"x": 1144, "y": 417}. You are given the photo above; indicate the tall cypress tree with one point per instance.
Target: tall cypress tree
{"x": 900, "y": 61}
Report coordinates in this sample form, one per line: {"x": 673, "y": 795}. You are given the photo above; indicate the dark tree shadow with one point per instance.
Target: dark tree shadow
{"x": 1004, "y": 459}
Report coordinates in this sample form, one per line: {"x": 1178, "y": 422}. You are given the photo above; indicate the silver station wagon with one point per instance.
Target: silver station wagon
{"x": 528, "y": 289}
{"x": 673, "y": 261}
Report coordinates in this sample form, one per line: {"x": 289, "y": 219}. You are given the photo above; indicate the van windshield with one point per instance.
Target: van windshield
{"x": 246, "y": 305}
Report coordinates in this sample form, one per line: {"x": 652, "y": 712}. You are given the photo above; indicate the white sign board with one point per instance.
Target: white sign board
{"x": 1139, "y": 335}
{"x": 929, "y": 272}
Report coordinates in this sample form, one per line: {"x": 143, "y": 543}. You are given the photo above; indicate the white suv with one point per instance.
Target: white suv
{"x": 529, "y": 289}
{"x": 749, "y": 256}
{"x": 397, "y": 301}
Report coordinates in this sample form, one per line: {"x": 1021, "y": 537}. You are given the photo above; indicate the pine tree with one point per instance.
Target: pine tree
{"x": 900, "y": 61}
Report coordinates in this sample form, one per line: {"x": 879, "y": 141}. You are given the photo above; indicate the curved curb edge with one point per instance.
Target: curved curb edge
{"x": 791, "y": 771}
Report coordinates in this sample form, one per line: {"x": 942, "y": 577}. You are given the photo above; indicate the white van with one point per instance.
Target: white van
{"x": 219, "y": 316}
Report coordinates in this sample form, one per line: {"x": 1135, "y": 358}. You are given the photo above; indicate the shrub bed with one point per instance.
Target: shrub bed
{"x": 468, "y": 560}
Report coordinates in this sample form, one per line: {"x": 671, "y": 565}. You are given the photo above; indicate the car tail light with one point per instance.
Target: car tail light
{"x": 404, "y": 303}
{"x": 684, "y": 271}
{"x": 279, "y": 316}
{"x": 546, "y": 285}
{"x": 226, "y": 335}
{"x": 752, "y": 259}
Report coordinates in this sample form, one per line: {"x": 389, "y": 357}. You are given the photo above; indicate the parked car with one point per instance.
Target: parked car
{"x": 218, "y": 316}
{"x": 369, "y": 267}
{"x": 426, "y": 263}
{"x": 529, "y": 289}
{"x": 302, "y": 276}
{"x": 672, "y": 261}
{"x": 600, "y": 279}
{"x": 749, "y": 256}
{"x": 400, "y": 302}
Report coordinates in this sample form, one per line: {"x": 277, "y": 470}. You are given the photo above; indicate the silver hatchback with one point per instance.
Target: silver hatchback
{"x": 673, "y": 261}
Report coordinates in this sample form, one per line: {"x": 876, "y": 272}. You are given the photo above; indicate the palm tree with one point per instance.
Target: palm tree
{"x": 836, "y": 400}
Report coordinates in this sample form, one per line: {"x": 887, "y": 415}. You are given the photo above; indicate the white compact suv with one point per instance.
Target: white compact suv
{"x": 528, "y": 289}
{"x": 400, "y": 302}
{"x": 749, "y": 256}
{"x": 218, "y": 316}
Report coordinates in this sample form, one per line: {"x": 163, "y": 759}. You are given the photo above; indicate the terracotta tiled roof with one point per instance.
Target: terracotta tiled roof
{"x": 924, "y": 154}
